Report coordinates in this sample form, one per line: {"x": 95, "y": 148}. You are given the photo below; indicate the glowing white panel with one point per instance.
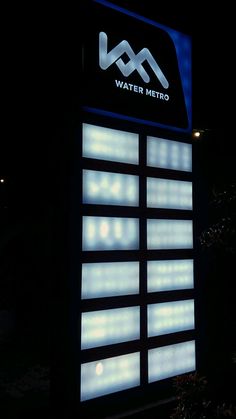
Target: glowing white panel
{"x": 164, "y": 193}
{"x": 171, "y": 360}
{"x": 171, "y": 317}
{"x": 169, "y": 154}
{"x": 110, "y": 188}
{"x": 169, "y": 234}
{"x": 110, "y": 233}
{"x": 106, "y": 327}
{"x": 109, "y": 279}
{"x": 110, "y": 144}
{"x": 165, "y": 275}
{"x": 109, "y": 375}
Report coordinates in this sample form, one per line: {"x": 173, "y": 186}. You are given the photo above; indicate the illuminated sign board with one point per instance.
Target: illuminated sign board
{"x": 143, "y": 66}
{"x": 134, "y": 227}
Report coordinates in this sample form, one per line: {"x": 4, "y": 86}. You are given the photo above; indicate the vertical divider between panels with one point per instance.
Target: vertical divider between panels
{"x": 79, "y": 176}
{"x": 143, "y": 261}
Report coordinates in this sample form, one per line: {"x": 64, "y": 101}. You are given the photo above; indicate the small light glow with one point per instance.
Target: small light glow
{"x": 171, "y": 317}
{"x": 169, "y": 234}
{"x": 99, "y": 368}
{"x": 110, "y": 188}
{"x": 197, "y": 134}
{"x": 169, "y": 361}
{"x": 110, "y": 144}
{"x": 106, "y": 327}
{"x": 107, "y": 279}
{"x": 110, "y": 233}
{"x": 165, "y": 275}
{"x": 109, "y": 375}
{"x": 2, "y": 180}
{"x": 164, "y": 193}
{"x": 169, "y": 154}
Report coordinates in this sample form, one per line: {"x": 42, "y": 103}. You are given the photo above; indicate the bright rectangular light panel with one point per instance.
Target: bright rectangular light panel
{"x": 164, "y": 193}
{"x": 169, "y": 154}
{"x": 107, "y": 327}
{"x": 169, "y": 361}
{"x": 109, "y": 279}
{"x": 110, "y": 188}
{"x": 166, "y": 275}
{"x": 171, "y": 317}
{"x": 110, "y": 233}
{"x": 110, "y": 144}
{"x": 109, "y": 375}
{"x": 169, "y": 234}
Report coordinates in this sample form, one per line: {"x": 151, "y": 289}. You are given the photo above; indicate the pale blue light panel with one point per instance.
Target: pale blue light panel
{"x": 110, "y": 188}
{"x": 106, "y": 327}
{"x": 109, "y": 375}
{"x": 171, "y": 317}
{"x": 169, "y": 361}
{"x": 169, "y": 234}
{"x": 110, "y": 144}
{"x": 165, "y": 193}
{"x": 110, "y": 233}
{"x": 108, "y": 279}
{"x": 169, "y": 154}
{"x": 166, "y": 275}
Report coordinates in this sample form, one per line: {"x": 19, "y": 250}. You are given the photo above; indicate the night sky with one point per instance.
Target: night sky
{"x": 41, "y": 76}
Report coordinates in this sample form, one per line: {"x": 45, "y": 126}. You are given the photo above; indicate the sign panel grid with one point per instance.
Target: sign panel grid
{"x": 120, "y": 320}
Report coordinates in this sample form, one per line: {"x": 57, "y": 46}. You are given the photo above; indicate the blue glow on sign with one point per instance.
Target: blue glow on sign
{"x": 110, "y": 233}
{"x": 165, "y": 193}
{"x": 169, "y": 154}
{"x": 109, "y": 375}
{"x": 110, "y": 144}
{"x": 106, "y": 327}
{"x": 171, "y": 317}
{"x": 169, "y": 361}
{"x": 169, "y": 234}
{"x": 109, "y": 279}
{"x": 110, "y": 188}
{"x": 166, "y": 275}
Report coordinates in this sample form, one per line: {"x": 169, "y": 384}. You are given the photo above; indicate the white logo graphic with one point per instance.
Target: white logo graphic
{"x": 106, "y": 59}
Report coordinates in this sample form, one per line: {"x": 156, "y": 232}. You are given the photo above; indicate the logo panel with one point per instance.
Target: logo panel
{"x": 131, "y": 68}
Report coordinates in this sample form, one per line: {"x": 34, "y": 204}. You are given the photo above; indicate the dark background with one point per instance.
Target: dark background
{"x": 40, "y": 84}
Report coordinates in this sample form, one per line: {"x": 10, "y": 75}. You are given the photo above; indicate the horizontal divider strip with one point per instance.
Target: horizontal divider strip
{"x": 107, "y": 303}
{"x": 110, "y": 166}
{"x": 135, "y": 255}
{"x": 136, "y": 212}
{"x": 170, "y": 339}
{"x": 110, "y": 351}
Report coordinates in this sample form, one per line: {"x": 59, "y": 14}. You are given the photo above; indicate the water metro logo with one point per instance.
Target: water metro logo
{"x": 106, "y": 59}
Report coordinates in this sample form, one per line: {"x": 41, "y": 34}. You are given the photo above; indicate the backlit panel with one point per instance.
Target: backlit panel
{"x": 171, "y": 317}
{"x": 169, "y": 234}
{"x": 109, "y": 375}
{"x": 165, "y": 275}
{"x": 169, "y": 361}
{"x": 169, "y": 154}
{"x": 110, "y": 144}
{"x": 164, "y": 193}
{"x": 109, "y": 279}
{"x": 106, "y": 327}
{"x": 110, "y": 233}
{"x": 110, "y": 188}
